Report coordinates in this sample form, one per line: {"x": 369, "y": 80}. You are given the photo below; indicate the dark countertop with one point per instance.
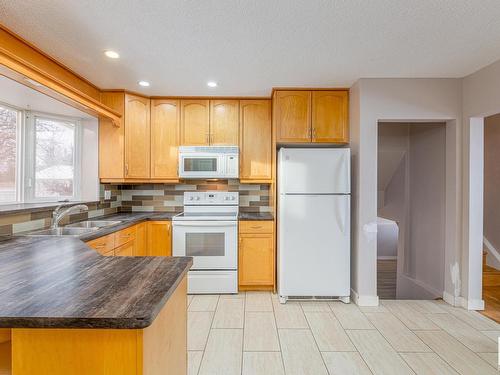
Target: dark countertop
{"x": 127, "y": 219}
{"x": 255, "y": 216}
{"x": 59, "y": 282}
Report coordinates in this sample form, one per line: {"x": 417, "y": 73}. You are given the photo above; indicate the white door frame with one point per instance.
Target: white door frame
{"x": 472, "y": 257}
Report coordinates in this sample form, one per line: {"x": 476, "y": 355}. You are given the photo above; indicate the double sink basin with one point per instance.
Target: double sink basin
{"x": 76, "y": 229}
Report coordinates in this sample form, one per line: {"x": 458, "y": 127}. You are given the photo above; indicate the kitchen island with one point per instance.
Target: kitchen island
{"x": 65, "y": 309}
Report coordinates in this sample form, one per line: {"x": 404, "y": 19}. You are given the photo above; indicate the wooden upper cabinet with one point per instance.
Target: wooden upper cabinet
{"x": 224, "y": 122}
{"x": 255, "y": 140}
{"x": 137, "y": 136}
{"x": 112, "y": 139}
{"x": 329, "y": 117}
{"x": 165, "y": 129}
{"x": 292, "y": 111}
{"x": 195, "y": 122}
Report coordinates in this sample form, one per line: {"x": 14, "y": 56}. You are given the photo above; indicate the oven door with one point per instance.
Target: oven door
{"x": 212, "y": 244}
{"x": 200, "y": 165}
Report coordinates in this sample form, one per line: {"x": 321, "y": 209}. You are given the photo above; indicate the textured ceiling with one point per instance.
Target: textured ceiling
{"x": 249, "y": 46}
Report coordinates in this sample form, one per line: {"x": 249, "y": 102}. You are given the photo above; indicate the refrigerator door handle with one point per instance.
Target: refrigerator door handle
{"x": 342, "y": 214}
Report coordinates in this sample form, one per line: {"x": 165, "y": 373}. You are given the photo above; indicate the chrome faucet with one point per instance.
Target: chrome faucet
{"x": 58, "y": 215}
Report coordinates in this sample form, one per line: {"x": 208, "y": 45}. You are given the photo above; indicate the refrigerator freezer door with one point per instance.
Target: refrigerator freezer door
{"x": 314, "y": 171}
{"x": 314, "y": 245}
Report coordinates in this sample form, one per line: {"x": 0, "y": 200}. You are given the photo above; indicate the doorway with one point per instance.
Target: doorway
{"x": 491, "y": 218}
{"x": 411, "y": 210}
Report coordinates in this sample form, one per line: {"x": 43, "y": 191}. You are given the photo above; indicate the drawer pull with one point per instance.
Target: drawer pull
{"x": 256, "y": 227}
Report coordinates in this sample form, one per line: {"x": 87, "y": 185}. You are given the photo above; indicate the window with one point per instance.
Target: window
{"x": 53, "y": 173}
{"x": 50, "y": 169}
{"x": 9, "y": 148}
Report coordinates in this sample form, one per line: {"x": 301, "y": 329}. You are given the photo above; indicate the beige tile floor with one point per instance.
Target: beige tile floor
{"x": 253, "y": 334}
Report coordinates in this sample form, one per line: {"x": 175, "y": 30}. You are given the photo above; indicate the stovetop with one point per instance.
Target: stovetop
{"x": 209, "y": 206}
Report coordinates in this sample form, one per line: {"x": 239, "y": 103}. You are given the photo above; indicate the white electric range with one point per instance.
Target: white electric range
{"x": 207, "y": 230}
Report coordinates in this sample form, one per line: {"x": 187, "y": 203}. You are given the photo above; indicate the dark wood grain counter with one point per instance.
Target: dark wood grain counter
{"x": 59, "y": 282}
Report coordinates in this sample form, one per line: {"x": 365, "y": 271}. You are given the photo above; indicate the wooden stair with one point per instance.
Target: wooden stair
{"x": 491, "y": 276}
{"x": 491, "y": 291}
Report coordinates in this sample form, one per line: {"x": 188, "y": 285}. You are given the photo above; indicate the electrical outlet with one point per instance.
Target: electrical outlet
{"x": 107, "y": 194}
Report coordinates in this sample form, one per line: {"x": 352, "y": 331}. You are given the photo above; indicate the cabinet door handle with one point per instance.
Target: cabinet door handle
{"x": 256, "y": 227}
{"x": 126, "y": 169}
{"x": 314, "y": 133}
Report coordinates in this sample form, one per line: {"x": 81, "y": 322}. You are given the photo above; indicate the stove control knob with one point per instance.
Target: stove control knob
{"x": 197, "y": 198}
{"x": 191, "y": 198}
{"x": 232, "y": 198}
{"x": 226, "y": 198}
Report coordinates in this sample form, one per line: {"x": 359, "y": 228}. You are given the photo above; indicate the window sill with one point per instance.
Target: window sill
{"x": 17, "y": 208}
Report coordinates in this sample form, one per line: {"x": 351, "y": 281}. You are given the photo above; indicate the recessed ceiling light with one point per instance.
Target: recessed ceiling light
{"x": 144, "y": 83}
{"x": 212, "y": 84}
{"x": 112, "y": 54}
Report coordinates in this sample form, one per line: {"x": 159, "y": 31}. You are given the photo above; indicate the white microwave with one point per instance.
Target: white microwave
{"x": 208, "y": 162}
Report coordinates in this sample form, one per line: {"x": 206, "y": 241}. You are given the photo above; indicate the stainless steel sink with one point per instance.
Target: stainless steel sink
{"x": 93, "y": 224}
{"x": 62, "y": 231}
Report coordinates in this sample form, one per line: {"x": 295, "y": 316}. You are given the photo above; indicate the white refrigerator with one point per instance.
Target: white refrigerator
{"x": 314, "y": 223}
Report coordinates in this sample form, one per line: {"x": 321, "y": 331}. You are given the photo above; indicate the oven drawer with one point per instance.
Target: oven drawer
{"x": 210, "y": 282}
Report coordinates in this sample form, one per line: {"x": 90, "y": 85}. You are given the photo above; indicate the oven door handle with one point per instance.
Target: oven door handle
{"x": 206, "y": 224}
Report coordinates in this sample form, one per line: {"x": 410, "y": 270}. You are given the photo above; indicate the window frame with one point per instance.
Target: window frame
{"x": 25, "y": 155}
{"x": 19, "y": 153}
{"x": 30, "y": 156}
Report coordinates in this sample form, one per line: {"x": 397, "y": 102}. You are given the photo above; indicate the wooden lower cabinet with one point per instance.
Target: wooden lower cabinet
{"x": 159, "y": 238}
{"x": 126, "y": 250}
{"x": 103, "y": 245}
{"x": 256, "y": 268}
{"x": 141, "y": 238}
{"x": 5, "y": 351}
{"x": 158, "y": 349}
{"x": 151, "y": 238}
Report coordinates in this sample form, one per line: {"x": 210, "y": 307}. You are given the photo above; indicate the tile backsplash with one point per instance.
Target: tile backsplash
{"x": 141, "y": 198}
{"x": 12, "y": 223}
{"x": 168, "y": 197}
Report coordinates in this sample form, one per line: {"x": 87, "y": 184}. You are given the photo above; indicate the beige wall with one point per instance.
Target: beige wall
{"x": 492, "y": 180}
{"x": 404, "y": 100}
{"x": 427, "y": 206}
{"x": 480, "y": 98}
{"x": 415, "y": 198}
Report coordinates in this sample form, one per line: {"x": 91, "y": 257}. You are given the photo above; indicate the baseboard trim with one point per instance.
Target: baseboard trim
{"x": 364, "y": 300}
{"x": 452, "y": 300}
{"x": 473, "y": 304}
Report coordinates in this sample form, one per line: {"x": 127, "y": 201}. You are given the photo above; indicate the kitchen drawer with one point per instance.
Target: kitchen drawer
{"x": 125, "y": 235}
{"x": 126, "y": 250}
{"x": 109, "y": 253}
{"x": 103, "y": 244}
{"x": 256, "y": 226}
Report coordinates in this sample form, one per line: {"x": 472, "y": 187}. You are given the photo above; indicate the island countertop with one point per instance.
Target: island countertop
{"x": 59, "y": 282}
